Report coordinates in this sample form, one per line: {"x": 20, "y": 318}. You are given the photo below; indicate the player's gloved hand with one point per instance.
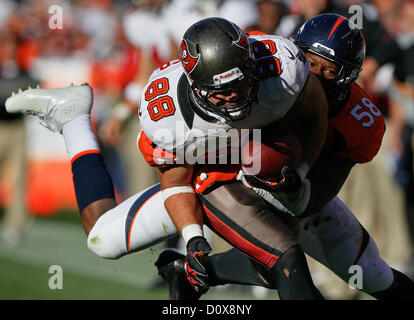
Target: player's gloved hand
{"x": 294, "y": 204}
{"x": 255, "y": 183}
{"x": 210, "y": 176}
{"x": 197, "y": 249}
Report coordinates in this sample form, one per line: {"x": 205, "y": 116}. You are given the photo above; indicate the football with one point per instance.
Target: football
{"x": 266, "y": 158}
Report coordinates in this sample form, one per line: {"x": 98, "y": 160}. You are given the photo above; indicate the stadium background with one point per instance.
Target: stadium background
{"x": 114, "y": 45}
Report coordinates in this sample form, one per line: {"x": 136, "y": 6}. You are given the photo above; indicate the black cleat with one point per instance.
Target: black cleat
{"x": 171, "y": 267}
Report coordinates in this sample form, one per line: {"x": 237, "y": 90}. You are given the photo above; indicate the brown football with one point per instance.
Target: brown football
{"x": 266, "y": 158}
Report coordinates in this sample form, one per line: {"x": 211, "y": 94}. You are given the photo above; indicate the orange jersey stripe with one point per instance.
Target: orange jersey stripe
{"x": 80, "y": 154}
{"x": 153, "y": 155}
{"x": 256, "y": 33}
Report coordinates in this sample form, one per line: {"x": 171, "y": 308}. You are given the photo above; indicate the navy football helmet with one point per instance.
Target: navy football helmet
{"x": 339, "y": 40}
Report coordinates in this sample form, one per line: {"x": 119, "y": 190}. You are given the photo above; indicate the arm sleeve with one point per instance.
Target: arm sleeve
{"x": 153, "y": 155}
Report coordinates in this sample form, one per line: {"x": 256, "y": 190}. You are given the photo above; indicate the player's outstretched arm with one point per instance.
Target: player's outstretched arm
{"x": 185, "y": 211}
{"x": 311, "y": 113}
{"x": 180, "y": 199}
{"x": 311, "y": 109}
{"x": 327, "y": 177}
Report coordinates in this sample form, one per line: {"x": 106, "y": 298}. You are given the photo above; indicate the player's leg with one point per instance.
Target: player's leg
{"x": 122, "y": 228}
{"x": 137, "y": 223}
{"x": 67, "y": 111}
{"x": 113, "y": 230}
{"x": 335, "y": 238}
{"x": 242, "y": 218}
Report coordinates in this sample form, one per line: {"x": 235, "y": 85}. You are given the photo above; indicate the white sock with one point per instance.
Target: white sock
{"x": 79, "y": 136}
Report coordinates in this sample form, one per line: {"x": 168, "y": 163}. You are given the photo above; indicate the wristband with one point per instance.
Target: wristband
{"x": 166, "y": 193}
{"x": 191, "y": 231}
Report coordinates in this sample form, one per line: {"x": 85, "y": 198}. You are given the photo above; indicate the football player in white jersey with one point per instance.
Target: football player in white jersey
{"x": 230, "y": 82}
{"x": 142, "y": 220}
{"x": 224, "y": 82}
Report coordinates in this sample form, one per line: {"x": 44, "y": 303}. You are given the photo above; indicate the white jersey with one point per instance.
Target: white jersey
{"x": 170, "y": 123}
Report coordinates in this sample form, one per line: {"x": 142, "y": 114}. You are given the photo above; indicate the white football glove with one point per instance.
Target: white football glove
{"x": 294, "y": 204}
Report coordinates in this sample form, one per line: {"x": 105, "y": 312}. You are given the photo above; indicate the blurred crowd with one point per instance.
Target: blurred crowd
{"x": 115, "y": 45}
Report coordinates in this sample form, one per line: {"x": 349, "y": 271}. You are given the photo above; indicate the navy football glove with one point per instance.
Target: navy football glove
{"x": 197, "y": 249}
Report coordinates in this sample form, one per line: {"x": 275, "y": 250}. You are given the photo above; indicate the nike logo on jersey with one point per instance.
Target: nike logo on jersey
{"x": 292, "y": 57}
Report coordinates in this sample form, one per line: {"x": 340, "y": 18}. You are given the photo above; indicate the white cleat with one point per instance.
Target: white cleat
{"x": 54, "y": 107}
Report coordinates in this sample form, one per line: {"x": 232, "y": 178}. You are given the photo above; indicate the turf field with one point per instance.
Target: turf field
{"x": 24, "y": 271}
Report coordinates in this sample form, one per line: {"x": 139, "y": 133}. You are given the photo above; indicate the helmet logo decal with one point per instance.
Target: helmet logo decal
{"x": 188, "y": 61}
{"x": 228, "y": 76}
{"x": 242, "y": 41}
{"x": 324, "y": 48}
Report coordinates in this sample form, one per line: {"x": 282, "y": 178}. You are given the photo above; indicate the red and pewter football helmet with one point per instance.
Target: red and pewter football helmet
{"x": 216, "y": 57}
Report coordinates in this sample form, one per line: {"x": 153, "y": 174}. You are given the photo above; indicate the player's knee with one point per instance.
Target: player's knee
{"x": 101, "y": 244}
{"x": 375, "y": 273}
{"x": 99, "y": 247}
{"x": 292, "y": 278}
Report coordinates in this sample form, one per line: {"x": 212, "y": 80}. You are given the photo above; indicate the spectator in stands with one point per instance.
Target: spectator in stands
{"x": 402, "y": 116}
{"x": 13, "y": 138}
{"x": 270, "y": 13}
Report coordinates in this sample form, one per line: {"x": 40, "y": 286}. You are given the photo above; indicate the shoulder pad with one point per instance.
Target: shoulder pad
{"x": 159, "y": 113}
{"x": 283, "y": 72}
{"x": 362, "y": 126}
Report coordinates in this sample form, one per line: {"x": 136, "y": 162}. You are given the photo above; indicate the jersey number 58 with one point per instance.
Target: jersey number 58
{"x": 365, "y": 115}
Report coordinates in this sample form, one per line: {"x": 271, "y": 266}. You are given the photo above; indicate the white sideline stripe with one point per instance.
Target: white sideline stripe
{"x": 50, "y": 242}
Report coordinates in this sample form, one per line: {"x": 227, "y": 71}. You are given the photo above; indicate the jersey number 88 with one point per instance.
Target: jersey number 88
{"x": 163, "y": 106}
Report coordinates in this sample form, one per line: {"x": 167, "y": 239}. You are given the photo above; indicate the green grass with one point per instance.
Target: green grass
{"x": 22, "y": 282}
{"x": 24, "y": 271}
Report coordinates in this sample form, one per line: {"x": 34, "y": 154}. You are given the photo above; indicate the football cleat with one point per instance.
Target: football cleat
{"x": 171, "y": 267}
{"x": 54, "y": 107}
